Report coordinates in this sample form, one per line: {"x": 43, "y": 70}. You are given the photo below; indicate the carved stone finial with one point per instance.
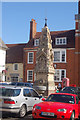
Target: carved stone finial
{"x": 45, "y": 21}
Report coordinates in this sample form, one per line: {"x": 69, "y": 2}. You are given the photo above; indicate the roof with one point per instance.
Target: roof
{"x": 69, "y": 34}
{"x": 14, "y": 53}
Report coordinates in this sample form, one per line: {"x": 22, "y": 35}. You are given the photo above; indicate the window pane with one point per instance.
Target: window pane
{"x": 14, "y": 79}
{"x": 30, "y": 57}
{"x": 10, "y": 92}
{"x": 60, "y": 41}
{"x": 36, "y": 42}
{"x": 27, "y": 93}
{"x": 56, "y": 56}
{"x": 33, "y": 93}
{"x": 16, "y": 67}
{"x": 62, "y": 74}
{"x": 57, "y": 75}
{"x": 57, "y": 41}
{"x": 64, "y": 41}
{"x": 63, "y": 56}
{"x": 30, "y": 75}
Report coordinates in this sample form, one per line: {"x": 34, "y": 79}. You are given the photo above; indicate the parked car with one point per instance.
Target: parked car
{"x": 59, "y": 106}
{"x": 21, "y": 84}
{"x": 17, "y": 99}
{"x": 3, "y": 83}
{"x": 73, "y": 90}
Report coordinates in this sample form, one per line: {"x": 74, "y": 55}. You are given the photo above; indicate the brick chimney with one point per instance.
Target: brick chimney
{"x": 32, "y": 28}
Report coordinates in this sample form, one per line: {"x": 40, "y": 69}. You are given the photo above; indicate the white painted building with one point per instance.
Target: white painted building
{"x": 3, "y": 48}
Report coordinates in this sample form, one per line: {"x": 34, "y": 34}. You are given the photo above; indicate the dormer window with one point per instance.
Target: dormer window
{"x": 61, "y": 41}
{"x": 36, "y": 42}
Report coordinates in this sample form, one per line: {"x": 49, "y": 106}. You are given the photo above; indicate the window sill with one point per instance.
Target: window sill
{"x": 57, "y": 81}
{"x": 29, "y": 80}
{"x": 58, "y": 62}
{"x": 30, "y": 63}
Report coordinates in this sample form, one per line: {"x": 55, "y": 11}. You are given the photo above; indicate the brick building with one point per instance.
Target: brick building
{"x": 66, "y": 52}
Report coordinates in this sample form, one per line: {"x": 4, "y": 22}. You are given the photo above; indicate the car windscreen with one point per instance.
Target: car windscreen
{"x": 9, "y": 92}
{"x": 28, "y": 84}
{"x": 61, "y": 98}
{"x": 72, "y": 90}
{"x": 12, "y": 84}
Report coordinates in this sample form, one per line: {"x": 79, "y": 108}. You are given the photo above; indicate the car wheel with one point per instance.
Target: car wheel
{"x": 34, "y": 118}
{"x": 72, "y": 116}
{"x": 22, "y": 111}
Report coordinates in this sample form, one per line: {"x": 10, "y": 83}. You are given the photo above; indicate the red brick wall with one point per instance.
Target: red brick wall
{"x": 70, "y": 68}
{"x": 77, "y": 60}
{"x": 29, "y": 66}
{"x": 69, "y": 65}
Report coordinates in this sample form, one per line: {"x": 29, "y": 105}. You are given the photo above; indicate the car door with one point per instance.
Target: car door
{"x": 35, "y": 96}
{"x": 76, "y": 107}
{"x": 79, "y": 106}
{"x": 28, "y": 99}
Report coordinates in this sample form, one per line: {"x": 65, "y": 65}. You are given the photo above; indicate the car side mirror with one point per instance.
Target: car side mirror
{"x": 43, "y": 99}
{"x": 40, "y": 96}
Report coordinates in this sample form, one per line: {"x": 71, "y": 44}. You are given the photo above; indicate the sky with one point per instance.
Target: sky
{"x": 16, "y": 17}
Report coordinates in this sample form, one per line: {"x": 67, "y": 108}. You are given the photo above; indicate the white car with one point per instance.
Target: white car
{"x": 19, "y": 100}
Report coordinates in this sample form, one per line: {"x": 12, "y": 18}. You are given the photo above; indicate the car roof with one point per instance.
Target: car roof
{"x": 71, "y": 87}
{"x": 13, "y": 87}
{"x": 65, "y": 94}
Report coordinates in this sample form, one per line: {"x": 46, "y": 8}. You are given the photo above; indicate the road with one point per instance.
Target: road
{"x": 7, "y": 116}
{"x": 14, "y": 117}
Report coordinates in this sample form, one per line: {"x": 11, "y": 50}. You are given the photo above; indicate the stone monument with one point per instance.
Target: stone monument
{"x": 44, "y": 69}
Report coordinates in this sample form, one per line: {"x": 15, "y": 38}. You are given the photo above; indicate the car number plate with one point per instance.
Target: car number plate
{"x": 47, "y": 114}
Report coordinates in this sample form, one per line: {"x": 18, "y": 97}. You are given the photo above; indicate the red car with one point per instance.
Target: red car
{"x": 58, "y": 106}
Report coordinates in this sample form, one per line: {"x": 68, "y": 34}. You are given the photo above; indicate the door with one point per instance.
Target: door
{"x": 28, "y": 99}
{"x": 35, "y": 96}
{"x": 79, "y": 107}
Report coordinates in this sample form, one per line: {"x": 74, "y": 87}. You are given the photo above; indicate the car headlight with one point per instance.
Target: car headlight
{"x": 38, "y": 107}
{"x": 62, "y": 110}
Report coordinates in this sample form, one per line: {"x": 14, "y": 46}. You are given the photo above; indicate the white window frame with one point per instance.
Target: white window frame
{"x": 60, "y": 71}
{"x": 28, "y": 75}
{"x": 62, "y": 43}
{"x": 29, "y": 58}
{"x": 14, "y": 78}
{"x": 34, "y": 76}
{"x": 14, "y": 67}
{"x": 60, "y": 50}
{"x": 36, "y": 42}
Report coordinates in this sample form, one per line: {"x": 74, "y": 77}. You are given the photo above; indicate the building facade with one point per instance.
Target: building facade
{"x": 66, "y": 52}
{"x": 14, "y": 63}
{"x": 3, "y": 49}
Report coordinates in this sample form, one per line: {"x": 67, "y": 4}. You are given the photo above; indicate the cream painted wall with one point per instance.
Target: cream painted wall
{"x": 10, "y": 70}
